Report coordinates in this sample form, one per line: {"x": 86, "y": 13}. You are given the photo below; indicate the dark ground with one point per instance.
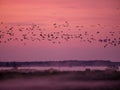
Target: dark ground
{"x": 55, "y": 80}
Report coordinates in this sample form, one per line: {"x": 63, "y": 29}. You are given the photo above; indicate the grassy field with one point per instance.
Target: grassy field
{"x": 55, "y": 80}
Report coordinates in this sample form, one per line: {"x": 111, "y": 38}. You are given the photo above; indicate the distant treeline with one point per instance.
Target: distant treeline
{"x": 69, "y": 63}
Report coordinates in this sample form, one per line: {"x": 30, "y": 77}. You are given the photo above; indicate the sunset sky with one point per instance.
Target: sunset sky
{"x": 44, "y": 13}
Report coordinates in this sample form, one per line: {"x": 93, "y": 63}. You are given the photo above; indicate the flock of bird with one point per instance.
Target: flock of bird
{"x": 60, "y": 33}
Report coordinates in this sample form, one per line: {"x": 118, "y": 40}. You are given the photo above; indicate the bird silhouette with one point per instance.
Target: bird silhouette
{"x": 62, "y": 33}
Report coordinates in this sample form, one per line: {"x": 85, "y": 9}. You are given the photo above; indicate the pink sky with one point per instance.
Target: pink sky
{"x": 47, "y": 12}
{"x": 88, "y": 11}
